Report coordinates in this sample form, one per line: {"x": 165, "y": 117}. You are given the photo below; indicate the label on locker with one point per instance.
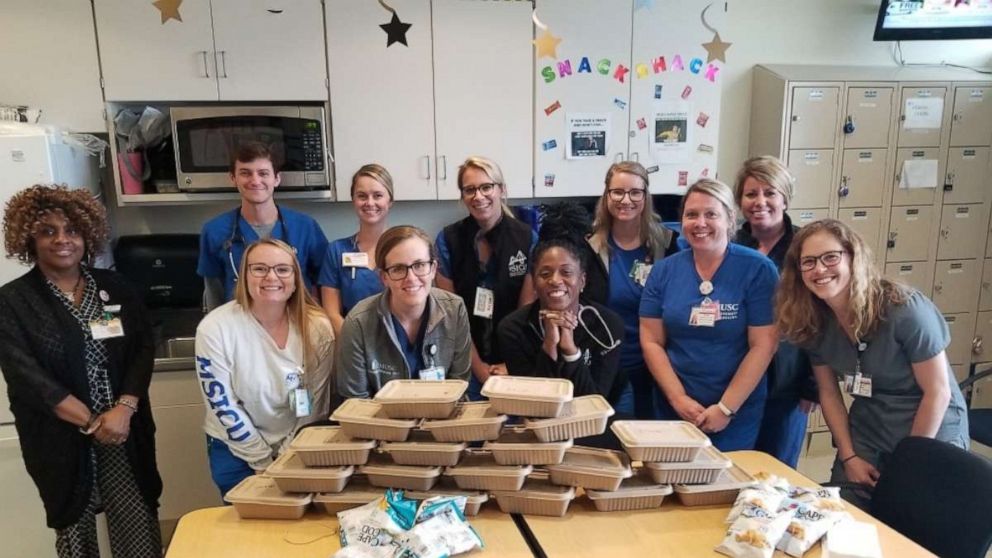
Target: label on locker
{"x": 871, "y": 94}
{"x": 912, "y": 214}
{"x": 918, "y": 154}
{"x": 976, "y": 96}
{"x": 924, "y": 93}
{"x": 956, "y": 268}
{"x": 865, "y": 156}
{"x": 905, "y": 269}
{"x": 961, "y": 212}
{"x": 806, "y": 215}
{"x": 950, "y": 319}
{"x": 867, "y": 105}
{"x": 968, "y": 154}
{"x": 816, "y": 95}
{"x": 860, "y": 215}
{"x": 811, "y": 158}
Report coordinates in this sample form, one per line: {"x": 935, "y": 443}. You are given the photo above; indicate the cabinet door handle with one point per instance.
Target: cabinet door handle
{"x": 938, "y": 288}
{"x": 635, "y": 156}
{"x": 976, "y": 345}
{"x": 223, "y": 62}
{"x": 618, "y": 158}
{"x": 206, "y": 67}
{"x": 795, "y": 118}
{"x": 427, "y": 166}
{"x": 442, "y": 167}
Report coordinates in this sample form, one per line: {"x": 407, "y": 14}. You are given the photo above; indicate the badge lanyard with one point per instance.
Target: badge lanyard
{"x": 432, "y": 371}
{"x": 237, "y": 237}
{"x": 860, "y": 383}
{"x": 299, "y": 395}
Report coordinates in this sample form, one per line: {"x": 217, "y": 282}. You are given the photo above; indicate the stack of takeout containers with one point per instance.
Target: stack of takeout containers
{"x": 677, "y": 453}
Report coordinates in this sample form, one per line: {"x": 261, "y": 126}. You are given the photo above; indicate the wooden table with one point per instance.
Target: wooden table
{"x": 675, "y": 530}
{"x": 219, "y": 533}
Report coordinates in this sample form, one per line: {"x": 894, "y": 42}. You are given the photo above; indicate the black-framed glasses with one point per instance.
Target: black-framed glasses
{"x": 828, "y": 259}
{"x": 261, "y": 270}
{"x": 486, "y": 189}
{"x": 617, "y": 194}
{"x": 399, "y": 272}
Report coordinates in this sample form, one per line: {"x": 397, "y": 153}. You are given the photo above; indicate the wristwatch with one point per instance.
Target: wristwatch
{"x": 725, "y": 410}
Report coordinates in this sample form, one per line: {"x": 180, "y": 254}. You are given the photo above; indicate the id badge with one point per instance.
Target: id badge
{"x": 848, "y": 383}
{"x": 705, "y": 315}
{"x": 484, "y": 301}
{"x": 106, "y": 329}
{"x": 355, "y": 259}
{"x": 640, "y": 272}
{"x": 299, "y": 399}
{"x": 862, "y": 385}
{"x": 432, "y": 373}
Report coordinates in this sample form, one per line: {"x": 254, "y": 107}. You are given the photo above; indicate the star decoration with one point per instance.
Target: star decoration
{"x": 169, "y": 9}
{"x": 396, "y": 30}
{"x": 638, "y": 4}
{"x": 547, "y": 44}
{"x": 716, "y": 49}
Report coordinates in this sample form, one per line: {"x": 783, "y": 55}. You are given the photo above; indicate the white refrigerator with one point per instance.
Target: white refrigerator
{"x": 30, "y": 154}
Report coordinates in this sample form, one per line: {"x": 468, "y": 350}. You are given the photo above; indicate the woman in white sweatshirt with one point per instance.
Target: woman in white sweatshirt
{"x": 264, "y": 363}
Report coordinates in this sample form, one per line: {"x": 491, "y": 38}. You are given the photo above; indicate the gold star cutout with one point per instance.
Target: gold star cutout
{"x": 547, "y": 44}
{"x": 169, "y": 9}
{"x": 716, "y": 49}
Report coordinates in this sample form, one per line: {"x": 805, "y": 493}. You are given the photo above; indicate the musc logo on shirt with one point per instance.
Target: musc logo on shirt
{"x": 518, "y": 264}
{"x": 219, "y": 402}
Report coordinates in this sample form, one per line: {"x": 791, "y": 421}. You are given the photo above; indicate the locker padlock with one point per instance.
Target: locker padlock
{"x": 949, "y": 182}
{"x": 976, "y": 345}
{"x": 944, "y": 233}
{"x": 957, "y": 117}
{"x": 849, "y": 125}
{"x": 938, "y": 288}
{"x": 891, "y": 243}
{"x": 843, "y": 191}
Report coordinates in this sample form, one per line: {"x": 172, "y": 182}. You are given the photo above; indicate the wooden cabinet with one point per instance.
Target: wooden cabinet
{"x": 460, "y": 86}
{"x": 221, "y": 50}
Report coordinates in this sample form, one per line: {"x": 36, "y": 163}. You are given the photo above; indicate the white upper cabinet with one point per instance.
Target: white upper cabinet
{"x": 221, "y": 50}
{"x": 48, "y": 55}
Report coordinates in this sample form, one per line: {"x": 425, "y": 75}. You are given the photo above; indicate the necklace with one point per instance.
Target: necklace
{"x": 75, "y": 288}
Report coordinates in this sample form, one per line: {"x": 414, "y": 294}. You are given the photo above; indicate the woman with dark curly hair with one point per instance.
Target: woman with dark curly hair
{"x": 76, "y": 352}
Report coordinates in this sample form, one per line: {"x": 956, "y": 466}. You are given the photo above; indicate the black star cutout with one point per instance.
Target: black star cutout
{"x": 396, "y": 30}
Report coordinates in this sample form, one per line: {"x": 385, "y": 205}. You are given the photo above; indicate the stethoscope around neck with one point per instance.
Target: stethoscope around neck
{"x": 611, "y": 344}
{"x": 237, "y": 237}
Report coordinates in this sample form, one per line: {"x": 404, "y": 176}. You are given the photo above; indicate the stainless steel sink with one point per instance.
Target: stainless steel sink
{"x": 175, "y": 354}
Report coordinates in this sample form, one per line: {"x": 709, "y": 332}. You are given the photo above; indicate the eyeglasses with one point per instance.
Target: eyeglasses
{"x": 261, "y": 270}
{"x": 828, "y": 259}
{"x": 399, "y": 272}
{"x": 617, "y": 194}
{"x": 486, "y": 189}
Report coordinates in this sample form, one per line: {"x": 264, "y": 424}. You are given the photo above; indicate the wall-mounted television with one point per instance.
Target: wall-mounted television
{"x": 916, "y": 20}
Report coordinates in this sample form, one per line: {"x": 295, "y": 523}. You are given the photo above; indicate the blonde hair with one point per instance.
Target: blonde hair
{"x": 653, "y": 235}
{"x": 375, "y": 172}
{"x": 494, "y": 173}
{"x": 799, "y": 313}
{"x": 769, "y": 170}
{"x": 721, "y": 193}
{"x": 304, "y": 313}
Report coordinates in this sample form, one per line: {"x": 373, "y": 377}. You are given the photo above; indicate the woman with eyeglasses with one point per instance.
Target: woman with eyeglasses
{"x": 484, "y": 259}
{"x": 348, "y": 272}
{"x": 264, "y": 363}
{"x": 627, "y": 240}
{"x": 557, "y": 336}
{"x": 410, "y": 330}
{"x": 707, "y": 328}
{"x": 885, "y": 341}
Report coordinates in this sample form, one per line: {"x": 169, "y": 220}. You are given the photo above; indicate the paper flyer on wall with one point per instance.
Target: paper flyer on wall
{"x": 587, "y": 135}
{"x": 672, "y": 132}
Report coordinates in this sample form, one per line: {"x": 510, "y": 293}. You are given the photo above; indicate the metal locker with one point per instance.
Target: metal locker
{"x": 955, "y": 285}
{"x": 869, "y": 114}
{"x": 967, "y": 175}
{"x": 812, "y": 169}
{"x": 971, "y": 116}
{"x": 962, "y": 328}
{"x": 985, "y": 288}
{"x": 866, "y": 221}
{"x": 803, "y": 217}
{"x": 916, "y": 196}
{"x": 982, "y": 349}
{"x": 918, "y": 275}
{"x": 962, "y": 231}
{"x": 862, "y": 178}
{"x": 909, "y": 234}
{"x": 918, "y": 100}
{"x": 814, "y": 117}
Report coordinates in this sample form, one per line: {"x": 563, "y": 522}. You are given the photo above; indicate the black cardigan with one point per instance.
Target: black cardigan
{"x": 42, "y": 357}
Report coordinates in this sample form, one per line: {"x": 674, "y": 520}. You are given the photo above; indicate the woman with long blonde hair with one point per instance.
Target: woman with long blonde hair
{"x": 265, "y": 364}
{"x": 884, "y": 340}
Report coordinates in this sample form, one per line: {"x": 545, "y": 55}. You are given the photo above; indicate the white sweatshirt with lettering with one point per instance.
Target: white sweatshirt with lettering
{"x": 246, "y": 381}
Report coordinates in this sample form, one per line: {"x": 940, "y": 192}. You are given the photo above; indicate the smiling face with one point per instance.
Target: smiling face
{"x": 705, "y": 223}
{"x": 410, "y": 291}
{"x": 625, "y": 209}
{"x": 763, "y": 206}
{"x": 58, "y": 244}
{"x": 270, "y": 288}
{"x": 484, "y": 208}
{"x": 371, "y": 200}
{"x": 256, "y": 180}
{"x": 558, "y": 279}
{"x": 830, "y": 284}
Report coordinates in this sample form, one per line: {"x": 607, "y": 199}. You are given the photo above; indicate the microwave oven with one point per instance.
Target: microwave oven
{"x": 206, "y": 137}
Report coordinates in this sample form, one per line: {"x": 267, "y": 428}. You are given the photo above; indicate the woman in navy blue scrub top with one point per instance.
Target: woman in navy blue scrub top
{"x": 707, "y": 327}
{"x": 348, "y": 272}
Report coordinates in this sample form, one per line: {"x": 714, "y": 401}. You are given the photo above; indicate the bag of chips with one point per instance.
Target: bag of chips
{"x": 811, "y": 519}
{"x": 755, "y": 533}
{"x": 440, "y": 532}
{"x": 767, "y": 499}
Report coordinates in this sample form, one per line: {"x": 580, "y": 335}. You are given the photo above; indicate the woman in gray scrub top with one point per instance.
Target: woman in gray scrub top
{"x": 880, "y": 341}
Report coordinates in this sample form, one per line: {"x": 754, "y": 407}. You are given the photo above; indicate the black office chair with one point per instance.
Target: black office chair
{"x": 979, "y": 420}
{"x": 938, "y": 495}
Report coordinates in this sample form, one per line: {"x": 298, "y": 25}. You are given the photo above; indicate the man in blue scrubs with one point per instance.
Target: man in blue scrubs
{"x": 225, "y": 237}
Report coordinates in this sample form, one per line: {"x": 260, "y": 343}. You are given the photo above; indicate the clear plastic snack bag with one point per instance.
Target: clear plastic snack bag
{"x": 441, "y": 531}
{"x": 768, "y": 499}
{"x": 755, "y": 533}
{"x": 376, "y": 525}
{"x": 811, "y": 519}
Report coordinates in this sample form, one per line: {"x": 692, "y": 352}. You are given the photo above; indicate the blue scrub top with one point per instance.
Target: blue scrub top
{"x": 222, "y": 245}
{"x": 355, "y": 283}
{"x": 624, "y": 298}
{"x": 706, "y": 358}
{"x": 413, "y": 349}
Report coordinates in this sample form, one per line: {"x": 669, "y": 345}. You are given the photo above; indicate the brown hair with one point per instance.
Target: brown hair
{"x": 25, "y": 210}
{"x": 769, "y": 170}
{"x": 719, "y": 191}
{"x": 654, "y": 237}
{"x": 494, "y": 173}
{"x": 375, "y": 172}
{"x": 394, "y": 236}
{"x": 799, "y": 313}
{"x": 253, "y": 150}
{"x": 309, "y": 318}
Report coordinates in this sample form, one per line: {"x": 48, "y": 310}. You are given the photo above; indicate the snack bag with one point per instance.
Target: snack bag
{"x": 773, "y": 481}
{"x": 767, "y": 499}
{"x": 377, "y": 524}
{"x": 440, "y": 533}
{"x": 811, "y": 519}
{"x": 803, "y": 494}
{"x": 755, "y": 533}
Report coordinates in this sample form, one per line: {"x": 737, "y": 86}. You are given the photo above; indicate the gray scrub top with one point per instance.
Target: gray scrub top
{"x": 910, "y": 332}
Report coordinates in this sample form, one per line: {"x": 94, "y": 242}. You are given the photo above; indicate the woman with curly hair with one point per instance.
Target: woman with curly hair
{"x": 76, "y": 352}
{"x": 885, "y": 341}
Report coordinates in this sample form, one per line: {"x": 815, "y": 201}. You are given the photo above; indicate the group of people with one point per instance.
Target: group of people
{"x": 740, "y": 332}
